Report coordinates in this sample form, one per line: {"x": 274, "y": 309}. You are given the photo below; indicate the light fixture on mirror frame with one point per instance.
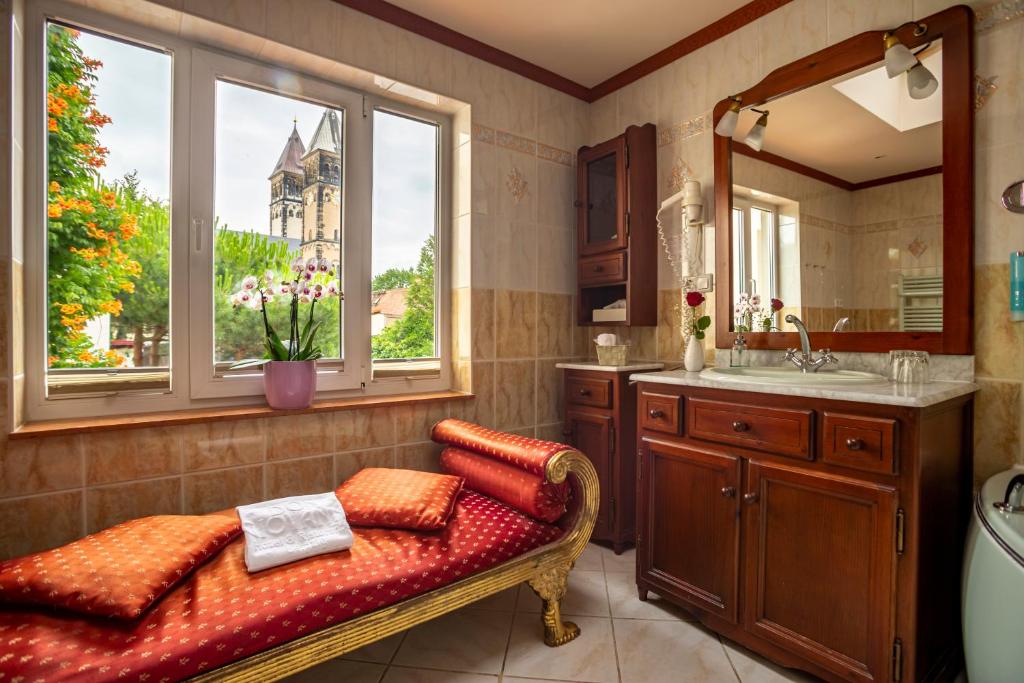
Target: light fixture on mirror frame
{"x": 755, "y": 137}
{"x": 727, "y": 124}
{"x": 899, "y": 59}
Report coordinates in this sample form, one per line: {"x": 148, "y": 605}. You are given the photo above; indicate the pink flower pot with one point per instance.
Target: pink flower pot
{"x": 289, "y": 384}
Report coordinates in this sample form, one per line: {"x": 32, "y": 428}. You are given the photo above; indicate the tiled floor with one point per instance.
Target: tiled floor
{"x": 500, "y": 639}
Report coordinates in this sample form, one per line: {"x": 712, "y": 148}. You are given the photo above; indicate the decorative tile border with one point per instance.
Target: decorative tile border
{"x": 516, "y": 143}
{"x": 483, "y": 134}
{"x": 684, "y": 130}
{"x": 986, "y": 18}
{"x": 522, "y": 145}
{"x": 559, "y": 156}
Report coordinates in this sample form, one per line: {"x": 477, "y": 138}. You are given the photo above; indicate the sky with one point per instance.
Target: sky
{"x": 252, "y": 126}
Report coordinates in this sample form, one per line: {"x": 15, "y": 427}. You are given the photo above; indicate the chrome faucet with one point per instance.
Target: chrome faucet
{"x": 804, "y": 359}
{"x": 841, "y": 324}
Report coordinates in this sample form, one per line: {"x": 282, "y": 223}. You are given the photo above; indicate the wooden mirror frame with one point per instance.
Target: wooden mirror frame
{"x": 954, "y": 27}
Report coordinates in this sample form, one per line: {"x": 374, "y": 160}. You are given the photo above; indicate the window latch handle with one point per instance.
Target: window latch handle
{"x": 197, "y": 233}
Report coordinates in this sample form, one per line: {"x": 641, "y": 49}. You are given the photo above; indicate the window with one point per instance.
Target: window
{"x": 165, "y": 174}
{"x": 755, "y": 249}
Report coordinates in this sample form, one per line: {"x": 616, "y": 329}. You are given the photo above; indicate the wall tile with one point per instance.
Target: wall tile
{"x": 29, "y": 466}
{"x": 996, "y": 229}
{"x": 224, "y": 444}
{"x": 552, "y": 432}
{"x": 516, "y": 324}
{"x": 847, "y": 18}
{"x": 670, "y": 336}
{"x": 300, "y": 477}
{"x": 483, "y": 324}
{"x": 479, "y": 409}
{"x": 554, "y": 325}
{"x": 550, "y": 383}
{"x": 298, "y": 436}
{"x": 484, "y": 192}
{"x": 1000, "y": 55}
{"x": 347, "y": 464}
{"x": 39, "y": 523}
{"x": 998, "y": 342}
{"x": 422, "y": 62}
{"x": 515, "y": 248}
{"x": 413, "y": 422}
{"x": 484, "y": 260}
{"x": 312, "y": 24}
{"x": 420, "y": 456}
{"x": 516, "y": 185}
{"x": 106, "y": 506}
{"x": 212, "y": 491}
{"x": 556, "y": 192}
{"x": 362, "y": 429}
{"x": 795, "y": 30}
{"x": 997, "y": 416}
{"x": 132, "y": 454}
{"x": 556, "y": 259}
{"x": 515, "y": 393}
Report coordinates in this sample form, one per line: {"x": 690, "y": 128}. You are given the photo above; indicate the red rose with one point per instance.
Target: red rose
{"x": 694, "y": 299}
{"x": 776, "y": 304}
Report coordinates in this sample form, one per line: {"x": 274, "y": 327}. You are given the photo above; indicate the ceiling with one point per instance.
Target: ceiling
{"x": 824, "y": 129}
{"x": 586, "y": 41}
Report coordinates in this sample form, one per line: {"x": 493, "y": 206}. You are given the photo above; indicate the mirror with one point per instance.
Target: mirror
{"x": 839, "y": 216}
{"x": 836, "y": 208}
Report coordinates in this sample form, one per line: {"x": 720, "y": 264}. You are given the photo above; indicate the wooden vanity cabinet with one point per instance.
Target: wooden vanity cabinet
{"x": 833, "y": 545}
{"x": 600, "y": 409}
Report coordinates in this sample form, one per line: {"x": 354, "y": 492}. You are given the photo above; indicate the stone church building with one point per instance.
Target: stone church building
{"x": 305, "y": 191}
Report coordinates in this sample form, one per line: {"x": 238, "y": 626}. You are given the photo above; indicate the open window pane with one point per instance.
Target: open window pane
{"x": 108, "y": 151}
{"x": 279, "y": 183}
{"x": 405, "y": 214}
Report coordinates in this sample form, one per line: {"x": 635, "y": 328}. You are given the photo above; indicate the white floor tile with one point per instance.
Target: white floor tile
{"x": 340, "y": 670}
{"x": 398, "y": 674}
{"x": 670, "y": 651}
{"x": 379, "y": 652}
{"x": 626, "y": 562}
{"x": 587, "y": 596}
{"x": 590, "y": 558}
{"x": 468, "y": 640}
{"x": 626, "y": 603}
{"x": 753, "y": 668}
{"x": 591, "y": 657}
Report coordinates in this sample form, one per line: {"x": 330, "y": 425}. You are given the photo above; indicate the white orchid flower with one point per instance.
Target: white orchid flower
{"x": 250, "y": 282}
{"x": 298, "y": 265}
{"x": 312, "y": 264}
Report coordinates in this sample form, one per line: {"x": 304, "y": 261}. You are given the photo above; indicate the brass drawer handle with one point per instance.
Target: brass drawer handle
{"x": 854, "y": 444}
{"x": 729, "y": 491}
{"x": 750, "y": 497}
{"x": 739, "y": 426}
{"x": 598, "y": 269}
{"x": 656, "y": 414}
{"x": 584, "y": 392}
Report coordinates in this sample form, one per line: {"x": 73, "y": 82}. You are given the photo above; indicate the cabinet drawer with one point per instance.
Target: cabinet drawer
{"x": 589, "y": 392}
{"x": 776, "y": 430}
{"x": 600, "y": 270}
{"x": 858, "y": 442}
{"x": 661, "y": 412}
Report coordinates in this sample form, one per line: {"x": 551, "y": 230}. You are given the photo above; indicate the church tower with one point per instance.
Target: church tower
{"x": 321, "y": 194}
{"x": 286, "y": 182}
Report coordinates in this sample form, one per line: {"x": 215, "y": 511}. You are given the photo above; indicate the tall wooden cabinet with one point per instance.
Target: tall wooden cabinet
{"x": 617, "y": 233}
{"x": 826, "y": 535}
{"x": 600, "y": 422}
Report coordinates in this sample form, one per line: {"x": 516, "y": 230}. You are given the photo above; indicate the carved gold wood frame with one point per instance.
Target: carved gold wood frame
{"x": 545, "y": 568}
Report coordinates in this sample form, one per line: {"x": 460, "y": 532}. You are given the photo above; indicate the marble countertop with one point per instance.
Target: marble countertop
{"x": 638, "y": 366}
{"x": 914, "y": 396}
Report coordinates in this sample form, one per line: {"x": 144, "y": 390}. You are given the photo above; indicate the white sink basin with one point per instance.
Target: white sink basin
{"x": 793, "y": 377}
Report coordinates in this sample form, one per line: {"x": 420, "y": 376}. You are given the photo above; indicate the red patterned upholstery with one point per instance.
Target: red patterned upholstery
{"x": 399, "y": 499}
{"x": 523, "y": 452}
{"x": 118, "y": 572}
{"x": 522, "y": 490}
{"x": 222, "y": 613}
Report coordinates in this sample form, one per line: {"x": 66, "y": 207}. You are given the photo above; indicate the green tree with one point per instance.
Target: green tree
{"x": 393, "y": 278}
{"x": 87, "y": 227}
{"x": 412, "y": 335}
{"x": 145, "y": 312}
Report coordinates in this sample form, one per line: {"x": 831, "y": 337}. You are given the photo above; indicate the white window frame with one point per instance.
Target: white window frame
{"x": 195, "y": 381}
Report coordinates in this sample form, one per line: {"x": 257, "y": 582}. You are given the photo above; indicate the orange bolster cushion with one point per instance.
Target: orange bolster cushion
{"x": 399, "y": 499}
{"x": 511, "y": 485}
{"x": 523, "y": 452}
{"x": 118, "y": 572}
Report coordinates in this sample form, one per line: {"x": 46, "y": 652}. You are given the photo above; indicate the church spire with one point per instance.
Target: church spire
{"x": 328, "y": 133}
{"x": 291, "y": 155}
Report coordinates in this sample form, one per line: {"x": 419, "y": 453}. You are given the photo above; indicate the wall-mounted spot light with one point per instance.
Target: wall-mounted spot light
{"x": 755, "y": 138}
{"x": 899, "y": 60}
{"x": 727, "y": 124}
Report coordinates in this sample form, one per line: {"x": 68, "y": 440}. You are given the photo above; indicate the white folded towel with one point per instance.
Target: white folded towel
{"x": 288, "y": 529}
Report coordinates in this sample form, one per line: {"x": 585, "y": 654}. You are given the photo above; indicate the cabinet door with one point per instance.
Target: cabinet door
{"x": 602, "y": 197}
{"x": 688, "y": 538}
{"x": 591, "y": 434}
{"x": 819, "y": 562}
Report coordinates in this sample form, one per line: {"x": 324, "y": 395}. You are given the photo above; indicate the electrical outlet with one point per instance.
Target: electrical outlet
{"x": 699, "y": 283}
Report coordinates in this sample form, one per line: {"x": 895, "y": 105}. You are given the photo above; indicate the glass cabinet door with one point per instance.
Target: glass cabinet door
{"x": 603, "y": 198}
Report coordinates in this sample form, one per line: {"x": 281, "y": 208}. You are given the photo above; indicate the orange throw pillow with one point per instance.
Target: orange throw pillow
{"x": 399, "y": 499}
{"x": 118, "y": 572}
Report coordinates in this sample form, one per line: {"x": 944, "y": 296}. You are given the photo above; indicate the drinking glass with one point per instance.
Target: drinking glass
{"x": 908, "y": 367}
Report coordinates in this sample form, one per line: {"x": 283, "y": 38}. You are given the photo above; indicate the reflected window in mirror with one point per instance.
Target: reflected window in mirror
{"x": 840, "y": 214}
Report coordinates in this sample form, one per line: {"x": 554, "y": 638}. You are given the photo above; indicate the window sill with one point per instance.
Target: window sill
{"x": 185, "y": 417}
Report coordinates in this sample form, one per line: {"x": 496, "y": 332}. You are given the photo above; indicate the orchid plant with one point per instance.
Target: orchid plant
{"x": 749, "y": 308}
{"x": 307, "y": 283}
